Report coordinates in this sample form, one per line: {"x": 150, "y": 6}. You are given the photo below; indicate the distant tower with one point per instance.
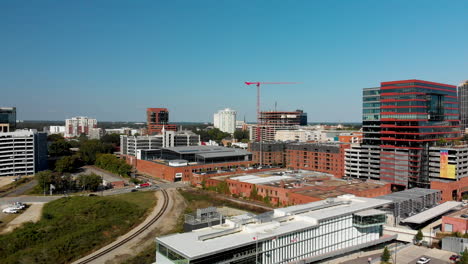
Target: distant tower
{"x": 463, "y": 105}
{"x": 225, "y": 120}
{"x": 156, "y": 119}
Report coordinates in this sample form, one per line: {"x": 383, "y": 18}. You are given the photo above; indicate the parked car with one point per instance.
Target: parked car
{"x": 18, "y": 206}
{"x": 134, "y": 190}
{"x": 464, "y": 216}
{"x": 423, "y": 260}
{"x": 454, "y": 257}
{"x": 10, "y": 210}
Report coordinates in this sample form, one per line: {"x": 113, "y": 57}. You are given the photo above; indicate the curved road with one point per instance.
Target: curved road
{"x": 103, "y": 254}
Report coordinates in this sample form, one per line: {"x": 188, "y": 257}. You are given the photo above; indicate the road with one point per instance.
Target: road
{"x": 20, "y": 190}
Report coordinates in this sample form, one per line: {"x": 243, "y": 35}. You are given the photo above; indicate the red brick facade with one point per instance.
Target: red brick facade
{"x": 320, "y": 160}
{"x": 451, "y": 190}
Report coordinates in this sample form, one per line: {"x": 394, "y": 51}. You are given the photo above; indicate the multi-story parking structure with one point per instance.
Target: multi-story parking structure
{"x": 22, "y": 152}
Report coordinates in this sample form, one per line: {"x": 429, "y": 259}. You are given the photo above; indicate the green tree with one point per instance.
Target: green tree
{"x": 55, "y": 137}
{"x": 464, "y": 257}
{"x": 44, "y": 179}
{"x": 113, "y": 164}
{"x": 59, "y": 148}
{"x": 223, "y": 188}
{"x": 113, "y": 139}
{"x": 385, "y": 256}
{"x": 67, "y": 164}
{"x": 90, "y": 148}
{"x": 89, "y": 181}
{"x": 241, "y": 134}
{"x": 254, "y": 193}
{"x": 419, "y": 236}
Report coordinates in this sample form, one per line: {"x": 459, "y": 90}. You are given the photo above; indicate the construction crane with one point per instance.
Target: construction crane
{"x": 259, "y": 134}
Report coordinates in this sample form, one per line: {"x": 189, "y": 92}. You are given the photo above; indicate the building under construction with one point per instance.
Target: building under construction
{"x": 272, "y": 121}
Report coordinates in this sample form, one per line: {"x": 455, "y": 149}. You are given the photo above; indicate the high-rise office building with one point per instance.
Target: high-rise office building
{"x": 76, "y": 126}
{"x": 225, "y": 120}
{"x": 156, "y": 119}
{"x": 7, "y": 119}
{"x": 402, "y": 120}
{"x": 463, "y": 105}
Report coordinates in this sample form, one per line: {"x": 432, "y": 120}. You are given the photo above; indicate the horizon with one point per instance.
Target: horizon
{"x": 112, "y": 61}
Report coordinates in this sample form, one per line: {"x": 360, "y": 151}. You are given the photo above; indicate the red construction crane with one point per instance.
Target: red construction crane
{"x": 259, "y": 134}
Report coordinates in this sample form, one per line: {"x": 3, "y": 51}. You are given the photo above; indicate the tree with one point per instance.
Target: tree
{"x": 223, "y": 188}
{"x": 254, "y": 193}
{"x": 89, "y": 181}
{"x": 55, "y": 137}
{"x": 113, "y": 139}
{"x": 113, "y": 164}
{"x": 90, "y": 148}
{"x": 241, "y": 134}
{"x": 44, "y": 179}
{"x": 385, "y": 256}
{"x": 60, "y": 148}
{"x": 67, "y": 164}
{"x": 419, "y": 236}
{"x": 464, "y": 257}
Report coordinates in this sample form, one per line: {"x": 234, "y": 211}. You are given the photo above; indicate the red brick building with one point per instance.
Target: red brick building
{"x": 323, "y": 157}
{"x": 156, "y": 119}
{"x": 272, "y": 154}
{"x": 293, "y": 191}
{"x": 455, "y": 222}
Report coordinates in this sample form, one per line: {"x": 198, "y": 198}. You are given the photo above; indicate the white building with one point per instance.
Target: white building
{"x": 131, "y": 144}
{"x": 56, "y": 130}
{"x": 225, "y": 120}
{"x": 22, "y": 152}
{"x": 76, "y": 126}
{"x": 95, "y": 133}
{"x": 304, "y": 233}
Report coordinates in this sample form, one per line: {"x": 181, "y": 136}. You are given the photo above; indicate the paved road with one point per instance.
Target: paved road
{"x": 20, "y": 190}
{"x": 433, "y": 260}
{"x": 5, "y": 201}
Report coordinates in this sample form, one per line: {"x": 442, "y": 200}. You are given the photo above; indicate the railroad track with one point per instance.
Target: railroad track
{"x": 132, "y": 236}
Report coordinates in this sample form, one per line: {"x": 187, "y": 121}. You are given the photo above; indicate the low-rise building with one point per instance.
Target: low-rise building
{"x": 268, "y": 153}
{"x": 456, "y": 222}
{"x": 298, "y": 234}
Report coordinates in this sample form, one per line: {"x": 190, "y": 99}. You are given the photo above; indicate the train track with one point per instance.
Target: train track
{"x": 132, "y": 236}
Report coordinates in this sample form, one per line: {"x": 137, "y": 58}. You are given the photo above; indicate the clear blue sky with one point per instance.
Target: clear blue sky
{"x": 112, "y": 59}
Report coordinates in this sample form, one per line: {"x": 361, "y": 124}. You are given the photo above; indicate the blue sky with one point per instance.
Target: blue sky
{"x": 112, "y": 59}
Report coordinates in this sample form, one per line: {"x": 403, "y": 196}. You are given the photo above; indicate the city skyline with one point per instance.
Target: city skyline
{"x": 185, "y": 56}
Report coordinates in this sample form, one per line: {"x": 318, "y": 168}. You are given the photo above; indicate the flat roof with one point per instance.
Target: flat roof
{"x": 409, "y": 194}
{"x": 242, "y": 230}
{"x": 431, "y": 213}
{"x": 204, "y": 150}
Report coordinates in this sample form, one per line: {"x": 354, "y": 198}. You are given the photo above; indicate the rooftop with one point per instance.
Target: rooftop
{"x": 247, "y": 229}
{"x": 406, "y": 195}
{"x": 458, "y": 214}
{"x": 432, "y": 213}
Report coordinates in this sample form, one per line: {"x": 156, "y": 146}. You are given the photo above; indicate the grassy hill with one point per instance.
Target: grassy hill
{"x": 71, "y": 227}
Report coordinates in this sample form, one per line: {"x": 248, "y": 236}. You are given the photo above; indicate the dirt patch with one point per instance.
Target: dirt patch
{"x": 5, "y": 180}
{"x": 31, "y": 214}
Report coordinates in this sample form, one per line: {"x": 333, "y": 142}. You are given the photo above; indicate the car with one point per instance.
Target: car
{"x": 464, "y": 216}
{"x": 92, "y": 194}
{"x": 423, "y": 260}
{"x": 10, "y": 210}
{"x": 454, "y": 257}
{"x": 134, "y": 190}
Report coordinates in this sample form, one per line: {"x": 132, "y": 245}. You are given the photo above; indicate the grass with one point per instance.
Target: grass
{"x": 73, "y": 227}
{"x": 194, "y": 199}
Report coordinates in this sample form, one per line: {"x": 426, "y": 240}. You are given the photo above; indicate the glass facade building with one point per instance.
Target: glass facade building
{"x": 403, "y": 119}
{"x": 7, "y": 119}
{"x": 463, "y": 102}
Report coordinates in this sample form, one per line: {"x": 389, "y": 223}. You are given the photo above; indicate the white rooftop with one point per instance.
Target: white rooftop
{"x": 243, "y": 230}
{"x": 431, "y": 213}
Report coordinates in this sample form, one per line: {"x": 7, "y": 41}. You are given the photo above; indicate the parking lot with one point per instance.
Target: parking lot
{"x": 413, "y": 253}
